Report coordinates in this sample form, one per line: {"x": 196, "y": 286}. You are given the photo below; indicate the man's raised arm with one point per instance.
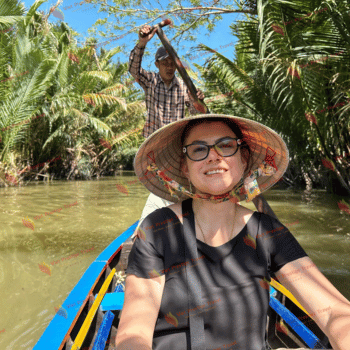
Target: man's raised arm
{"x": 141, "y": 75}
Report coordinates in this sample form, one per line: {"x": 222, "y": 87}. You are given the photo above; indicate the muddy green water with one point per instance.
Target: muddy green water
{"x": 102, "y": 211}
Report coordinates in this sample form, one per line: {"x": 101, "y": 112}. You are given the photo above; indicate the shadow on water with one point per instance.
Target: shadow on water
{"x": 67, "y": 224}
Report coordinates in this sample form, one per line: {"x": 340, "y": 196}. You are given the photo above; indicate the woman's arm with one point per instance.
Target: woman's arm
{"x": 140, "y": 311}
{"x": 325, "y": 304}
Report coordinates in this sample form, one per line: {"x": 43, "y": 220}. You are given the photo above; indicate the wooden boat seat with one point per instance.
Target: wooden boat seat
{"x": 112, "y": 301}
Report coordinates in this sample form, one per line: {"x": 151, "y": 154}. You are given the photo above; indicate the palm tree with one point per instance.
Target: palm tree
{"x": 291, "y": 72}
{"x": 80, "y": 96}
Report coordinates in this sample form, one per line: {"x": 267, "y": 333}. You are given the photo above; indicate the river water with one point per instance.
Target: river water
{"x": 93, "y": 214}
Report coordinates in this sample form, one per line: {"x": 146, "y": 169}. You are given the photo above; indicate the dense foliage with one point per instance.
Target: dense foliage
{"x": 290, "y": 72}
{"x": 64, "y": 109}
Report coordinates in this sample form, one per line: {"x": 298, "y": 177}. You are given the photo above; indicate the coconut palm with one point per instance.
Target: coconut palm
{"x": 291, "y": 72}
{"x": 79, "y": 96}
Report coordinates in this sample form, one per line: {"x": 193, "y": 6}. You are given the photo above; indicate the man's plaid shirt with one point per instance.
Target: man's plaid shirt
{"x": 164, "y": 105}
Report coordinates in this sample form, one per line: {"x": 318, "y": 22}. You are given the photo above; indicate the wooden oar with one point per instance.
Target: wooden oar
{"x": 90, "y": 316}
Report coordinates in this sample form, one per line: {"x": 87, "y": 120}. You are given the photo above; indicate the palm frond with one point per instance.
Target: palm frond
{"x": 103, "y": 76}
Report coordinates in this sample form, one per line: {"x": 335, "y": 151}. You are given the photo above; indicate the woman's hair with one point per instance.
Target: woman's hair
{"x": 244, "y": 147}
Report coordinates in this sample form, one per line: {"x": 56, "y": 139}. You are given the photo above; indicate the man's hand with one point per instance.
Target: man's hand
{"x": 146, "y": 30}
{"x": 200, "y": 95}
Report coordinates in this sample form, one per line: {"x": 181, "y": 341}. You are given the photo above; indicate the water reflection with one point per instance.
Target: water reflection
{"x": 40, "y": 266}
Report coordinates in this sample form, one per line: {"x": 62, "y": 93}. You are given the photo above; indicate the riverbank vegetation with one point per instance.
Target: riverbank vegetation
{"x": 290, "y": 72}
{"x": 72, "y": 103}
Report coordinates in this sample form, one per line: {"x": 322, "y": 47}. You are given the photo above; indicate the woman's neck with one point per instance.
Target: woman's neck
{"x": 214, "y": 221}
{"x": 218, "y": 211}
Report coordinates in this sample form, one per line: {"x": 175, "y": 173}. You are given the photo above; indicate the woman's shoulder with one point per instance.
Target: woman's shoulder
{"x": 259, "y": 221}
{"x": 177, "y": 210}
{"x": 247, "y": 213}
{"x": 160, "y": 218}
{"x": 243, "y": 216}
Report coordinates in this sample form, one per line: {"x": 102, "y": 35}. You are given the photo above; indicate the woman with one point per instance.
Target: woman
{"x": 204, "y": 261}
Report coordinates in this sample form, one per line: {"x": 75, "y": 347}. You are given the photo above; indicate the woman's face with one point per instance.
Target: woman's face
{"x": 230, "y": 169}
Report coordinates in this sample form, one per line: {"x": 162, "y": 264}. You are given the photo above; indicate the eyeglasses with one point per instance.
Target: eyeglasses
{"x": 226, "y": 147}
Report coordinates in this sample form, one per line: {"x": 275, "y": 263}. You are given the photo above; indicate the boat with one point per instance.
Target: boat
{"x": 89, "y": 317}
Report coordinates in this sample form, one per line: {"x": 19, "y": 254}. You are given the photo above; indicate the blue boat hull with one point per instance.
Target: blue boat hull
{"x": 58, "y": 331}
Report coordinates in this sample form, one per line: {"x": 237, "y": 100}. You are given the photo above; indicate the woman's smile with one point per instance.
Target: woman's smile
{"x": 215, "y": 171}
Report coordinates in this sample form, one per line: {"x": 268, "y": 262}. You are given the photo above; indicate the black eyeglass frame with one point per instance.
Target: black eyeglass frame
{"x": 209, "y": 147}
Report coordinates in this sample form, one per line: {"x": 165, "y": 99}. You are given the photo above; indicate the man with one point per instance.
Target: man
{"x": 166, "y": 97}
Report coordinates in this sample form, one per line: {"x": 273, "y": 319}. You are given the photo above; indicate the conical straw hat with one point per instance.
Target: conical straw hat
{"x": 164, "y": 148}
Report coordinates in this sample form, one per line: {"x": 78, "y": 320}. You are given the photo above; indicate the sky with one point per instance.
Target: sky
{"x": 81, "y": 17}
